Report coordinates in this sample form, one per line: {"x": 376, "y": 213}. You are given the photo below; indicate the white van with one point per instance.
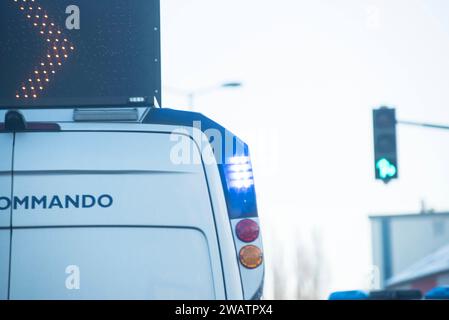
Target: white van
{"x": 106, "y": 204}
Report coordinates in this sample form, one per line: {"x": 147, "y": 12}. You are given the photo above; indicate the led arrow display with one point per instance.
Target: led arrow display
{"x": 58, "y": 49}
{"x": 79, "y": 53}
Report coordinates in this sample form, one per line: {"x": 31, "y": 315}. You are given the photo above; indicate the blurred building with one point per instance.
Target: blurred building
{"x": 427, "y": 273}
{"x": 412, "y": 250}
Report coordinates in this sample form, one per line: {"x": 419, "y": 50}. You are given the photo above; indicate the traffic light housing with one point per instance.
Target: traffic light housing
{"x": 385, "y": 147}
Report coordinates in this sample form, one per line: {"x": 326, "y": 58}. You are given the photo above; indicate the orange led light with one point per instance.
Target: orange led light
{"x": 251, "y": 256}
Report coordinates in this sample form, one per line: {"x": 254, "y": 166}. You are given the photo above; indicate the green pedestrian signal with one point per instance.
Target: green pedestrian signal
{"x": 386, "y": 169}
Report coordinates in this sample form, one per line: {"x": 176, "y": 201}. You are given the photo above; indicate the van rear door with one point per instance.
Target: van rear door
{"x": 108, "y": 215}
{"x": 6, "y": 145}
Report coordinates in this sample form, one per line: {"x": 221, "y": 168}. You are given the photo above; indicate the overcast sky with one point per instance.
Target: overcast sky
{"x": 312, "y": 72}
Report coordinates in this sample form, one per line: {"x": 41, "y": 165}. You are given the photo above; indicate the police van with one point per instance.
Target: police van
{"x": 103, "y": 194}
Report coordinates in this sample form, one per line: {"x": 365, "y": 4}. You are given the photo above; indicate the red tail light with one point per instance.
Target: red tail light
{"x": 247, "y": 230}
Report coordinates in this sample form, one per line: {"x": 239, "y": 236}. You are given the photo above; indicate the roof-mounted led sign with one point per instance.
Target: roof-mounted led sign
{"x": 79, "y": 53}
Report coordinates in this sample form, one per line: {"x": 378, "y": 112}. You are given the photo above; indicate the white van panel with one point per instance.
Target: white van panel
{"x": 111, "y": 263}
{"x": 150, "y": 192}
{"x": 138, "y": 199}
{"x": 135, "y": 170}
{"x": 116, "y": 151}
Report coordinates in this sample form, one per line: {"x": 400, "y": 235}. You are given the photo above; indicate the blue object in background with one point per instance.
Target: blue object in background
{"x": 438, "y": 293}
{"x": 349, "y": 295}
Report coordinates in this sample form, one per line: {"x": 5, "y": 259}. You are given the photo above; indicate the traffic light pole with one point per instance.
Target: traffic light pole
{"x": 425, "y": 125}
{"x": 385, "y": 146}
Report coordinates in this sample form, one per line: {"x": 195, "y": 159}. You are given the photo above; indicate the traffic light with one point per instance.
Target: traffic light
{"x": 385, "y": 148}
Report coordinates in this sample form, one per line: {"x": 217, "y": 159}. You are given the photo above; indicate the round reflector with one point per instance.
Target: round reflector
{"x": 251, "y": 257}
{"x": 247, "y": 230}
